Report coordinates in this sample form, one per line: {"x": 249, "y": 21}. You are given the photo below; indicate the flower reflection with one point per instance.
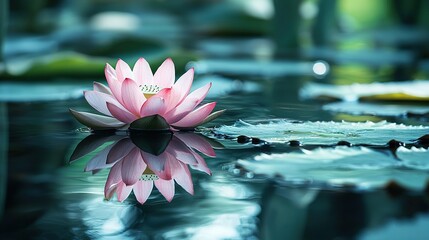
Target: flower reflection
{"x": 138, "y": 162}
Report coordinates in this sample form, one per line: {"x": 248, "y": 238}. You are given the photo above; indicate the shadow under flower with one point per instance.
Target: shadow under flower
{"x": 140, "y": 161}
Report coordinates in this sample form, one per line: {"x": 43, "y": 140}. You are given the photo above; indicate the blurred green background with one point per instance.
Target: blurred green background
{"x": 47, "y": 39}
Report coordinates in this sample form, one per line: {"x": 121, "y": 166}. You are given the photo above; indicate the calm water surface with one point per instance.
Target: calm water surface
{"x": 46, "y": 197}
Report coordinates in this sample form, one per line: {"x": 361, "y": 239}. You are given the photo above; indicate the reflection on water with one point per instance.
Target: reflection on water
{"x": 140, "y": 161}
{"x": 48, "y": 198}
{"x": 293, "y": 213}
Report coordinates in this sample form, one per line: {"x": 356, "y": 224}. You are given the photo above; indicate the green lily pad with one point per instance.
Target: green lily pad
{"x": 234, "y": 67}
{"x": 76, "y": 65}
{"x": 228, "y": 19}
{"x": 150, "y": 123}
{"x": 363, "y": 167}
{"x": 65, "y": 64}
{"x": 392, "y": 91}
{"x": 377, "y": 109}
{"x": 281, "y": 131}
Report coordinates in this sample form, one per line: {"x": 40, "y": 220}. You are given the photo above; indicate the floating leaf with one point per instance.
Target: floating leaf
{"x": 64, "y": 64}
{"x": 392, "y": 91}
{"x": 229, "y": 19}
{"x": 377, "y": 109}
{"x": 360, "y": 166}
{"x": 77, "y": 65}
{"x": 253, "y": 68}
{"x": 281, "y": 131}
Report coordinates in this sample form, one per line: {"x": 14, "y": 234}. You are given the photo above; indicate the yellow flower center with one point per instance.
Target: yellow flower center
{"x": 149, "y": 90}
{"x": 148, "y": 175}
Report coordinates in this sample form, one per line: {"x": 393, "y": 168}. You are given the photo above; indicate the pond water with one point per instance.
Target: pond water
{"x": 269, "y": 189}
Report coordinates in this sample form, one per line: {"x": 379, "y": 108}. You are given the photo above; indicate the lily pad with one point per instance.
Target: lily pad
{"x": 229, "y": 19}
{"x": 76, "y": 65}
{"x": 281, "y": 131}
{"x": 253, "y": 68}
{"x": 392, "y": 91}
{"x": 65, "y": 64}
{"x": 361, "y": 166}
{"x": 377, "y": 109}
{"x": 150, "y": 123}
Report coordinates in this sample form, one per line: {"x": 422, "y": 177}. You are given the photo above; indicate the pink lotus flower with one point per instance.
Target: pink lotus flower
{"x": 137, "y": 93}
{"x": 137, "y": 164}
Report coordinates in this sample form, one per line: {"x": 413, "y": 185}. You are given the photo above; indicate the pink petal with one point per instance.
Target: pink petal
{"x": 123, "y": 71}
{"x": 123, "y": 191}
{"x": 99, "y": 160}
{"x": 98, "y": 101}
{"x": 180, "y": 151}
{"x": 132, "y": 97}
{"x": 142, "y": 190}
{"x": 181, "y": 89}
{"x": 201, "y": 165}
{"x": 188, "y": 104}
{"x": 197, "y": 142}
{"x": 122, "y": 148}
{"x": 99, "y": 87}
{"x": 112, "y": 180}
{"x": 195, "y": 117}
{"x": 133, "y": 167}
{"x": 121, "y": 113}
{"x": 199, "y": 94}
{"x": 154, "y": 105}
{"x": 110, "y": 72}
{"x": 167, "y": 96}
{"x": 166, "y": 188}
{"x": 180, "y": 111}
{"x": 109, "y": 191}
{"x": 184, "y": 83}
{"x": 164, "y": 76}
{"x": 182, "y": 176}
{"x": 113, "y": 82}
{"x": 158, "y": 164}
{"x": 142, "y": 72}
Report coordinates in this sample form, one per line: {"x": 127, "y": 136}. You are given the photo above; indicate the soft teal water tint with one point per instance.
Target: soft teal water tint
{"x": 265, "y": 190}
{"x": 295, "y": 156}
